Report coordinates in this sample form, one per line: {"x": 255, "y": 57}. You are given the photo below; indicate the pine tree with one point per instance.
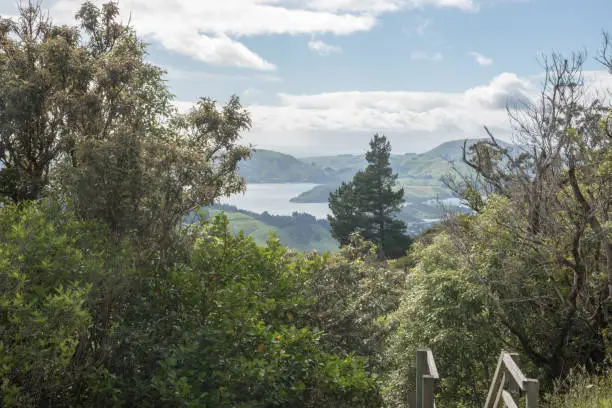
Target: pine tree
{"x": 346, "y": 218}
{"x": 369, "y": 202}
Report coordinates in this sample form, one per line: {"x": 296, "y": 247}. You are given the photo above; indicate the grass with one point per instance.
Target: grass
{"x": 584, "y": 391}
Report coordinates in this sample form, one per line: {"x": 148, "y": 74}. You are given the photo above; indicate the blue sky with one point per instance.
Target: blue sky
{"x": 321, "y": 76}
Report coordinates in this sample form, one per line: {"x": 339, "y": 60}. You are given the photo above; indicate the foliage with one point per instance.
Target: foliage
{"x": 367, "y": 204}
{"x": 106, "y": 299}
{"x": 529, "y": 271}
{"x": 237, "y": 331}
{"x": 558, "y": 194}
{"x": 84, "y": 114}
{"x": 44, "y": 283}
{"x": 447, "y": 309}
{"x": 42, "y": 73}
{"x": 229, "y": 327}
{"x": 354, "y": 293}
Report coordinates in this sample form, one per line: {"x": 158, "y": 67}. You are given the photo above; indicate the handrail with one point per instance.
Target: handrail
{"x": 427, "y": 379}
{"x": 508, "y": 376}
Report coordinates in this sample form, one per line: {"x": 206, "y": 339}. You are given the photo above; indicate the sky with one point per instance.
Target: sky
{"x": 322, "y": 76}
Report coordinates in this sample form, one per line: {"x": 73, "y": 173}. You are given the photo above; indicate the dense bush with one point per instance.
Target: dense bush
{"x": 226, "y": 323}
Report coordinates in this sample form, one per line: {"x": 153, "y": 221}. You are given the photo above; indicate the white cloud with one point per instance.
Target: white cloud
{"x": 322, "y": 48}
{"x": 379, "y": 6}
{"x": 178, "y": 74}
{"x": 422, "y": 26}
{"x": 422, "y": 55}
{"x": 481, "y": 59}
{"x": 217, "y": 50}
{"x": 342, "y": 122}
{"x": 418, "y": 25}
{"x": 210, "y": 30}
{"x": 394, "y": 110}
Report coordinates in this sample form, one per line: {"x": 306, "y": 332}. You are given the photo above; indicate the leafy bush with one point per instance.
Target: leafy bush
{"x": 250, "y": 344}
{"x": 44, "y": 284}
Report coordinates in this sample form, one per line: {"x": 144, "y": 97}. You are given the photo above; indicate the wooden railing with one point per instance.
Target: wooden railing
{"x": 427, "y": 379}
{"x": 510, "y": 379}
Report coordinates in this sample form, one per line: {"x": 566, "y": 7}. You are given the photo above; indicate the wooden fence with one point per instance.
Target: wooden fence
{"x": 427, "y": 379}
{"x": 508, "y": 382}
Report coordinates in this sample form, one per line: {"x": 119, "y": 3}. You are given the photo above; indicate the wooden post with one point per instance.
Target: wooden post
{"x": 429, "y": 384}
{"x": 496, "y": 384}
{"x": 511, "y": 385}
{"x": 421, "y": 366}
{"x": 532, "y": 389}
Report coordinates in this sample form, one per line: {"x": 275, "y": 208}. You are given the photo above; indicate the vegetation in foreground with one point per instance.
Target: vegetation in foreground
{"x": 108, "y": 300}
{"x": 581, "y": 390}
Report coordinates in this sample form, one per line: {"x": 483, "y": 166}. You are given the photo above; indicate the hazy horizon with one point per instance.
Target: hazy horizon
{"x": 357, "y": 150}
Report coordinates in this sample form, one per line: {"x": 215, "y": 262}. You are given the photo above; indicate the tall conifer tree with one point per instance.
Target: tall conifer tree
{"x": 369, "y": 202}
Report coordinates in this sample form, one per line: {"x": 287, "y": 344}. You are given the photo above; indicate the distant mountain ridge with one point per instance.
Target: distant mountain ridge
{"x": 268, "y": 166}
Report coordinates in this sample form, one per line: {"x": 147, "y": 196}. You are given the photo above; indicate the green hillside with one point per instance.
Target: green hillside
{"x": 302, "y": 232}
{"x": 413, "y": 169}
{"x": 419, "y": 174}
{"x": 317, "y": 194}
{"x": 424, "y": 169}
{"x": 320, "y": 193}
{"x": 449, "y": 150}
{"x": 268, "y": 166}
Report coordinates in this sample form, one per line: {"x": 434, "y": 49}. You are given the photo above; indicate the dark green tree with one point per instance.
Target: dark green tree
{"x": 346, "y": 218}
{"x": 368, "y": 203}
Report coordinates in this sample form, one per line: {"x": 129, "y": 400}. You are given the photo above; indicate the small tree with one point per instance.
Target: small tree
{"x": 367, "y": 204}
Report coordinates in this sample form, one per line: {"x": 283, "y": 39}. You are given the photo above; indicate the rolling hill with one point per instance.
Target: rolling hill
{"x": 423, "y": 169}
{"x": 268, "y": 166}
{"x": 302, "y": 232}
{"x": 419, "y": 174}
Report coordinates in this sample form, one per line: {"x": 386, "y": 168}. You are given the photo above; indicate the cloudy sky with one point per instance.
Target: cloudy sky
{"x": 321, "y": 76}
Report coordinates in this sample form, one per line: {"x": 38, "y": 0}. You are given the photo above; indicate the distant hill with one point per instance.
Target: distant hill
{"x": 419, "y": 174}
{"x": 317, "y": 194}
{"x": 268, "y": 166}
{"x": 423, "y": 169}
{"x": 449, "y": 150}
{"x": 299, "y": 231}
{"x": 320, "y": 194}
